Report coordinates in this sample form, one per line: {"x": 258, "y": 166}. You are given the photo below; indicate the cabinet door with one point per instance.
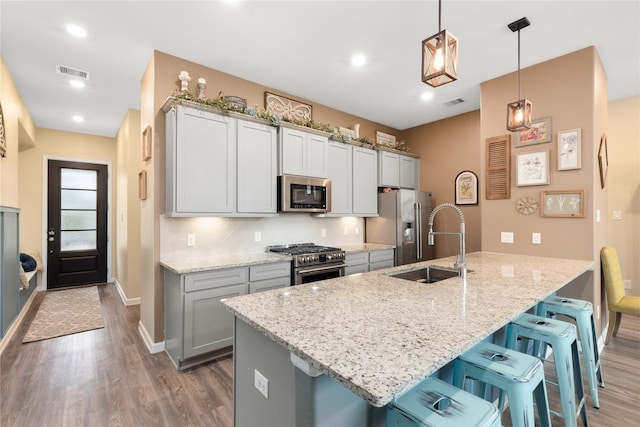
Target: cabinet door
{"x": 207, "y": 325}
{"x": 293, "y": 152}
{"x": 365, "y": 190}
{"x": 204, "y": 162}
{"x": 257, "y": 168}
{"x": 408, "y": 172}
{"x": 317, "y": 155}
{"x": 269, "y": 284}
{"x": 389, "y": 173}
{"x": 339, "y": 172}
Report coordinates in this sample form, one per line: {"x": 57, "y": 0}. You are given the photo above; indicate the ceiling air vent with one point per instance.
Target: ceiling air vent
{"x": 68, "y": 71}
{"x": 454, "y": 102}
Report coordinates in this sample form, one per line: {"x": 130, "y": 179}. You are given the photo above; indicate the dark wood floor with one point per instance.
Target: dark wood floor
{"x": 107, "y": 377}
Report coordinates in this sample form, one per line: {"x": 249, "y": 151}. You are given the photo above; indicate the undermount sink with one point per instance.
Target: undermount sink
{"x": 428, "y": 274}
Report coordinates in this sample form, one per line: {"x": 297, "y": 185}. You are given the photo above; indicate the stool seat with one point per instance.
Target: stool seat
{"x": 561, "y": 336}
{"x": 435, "y": 403}
{"x": 582, "y": 312}
{"x": 519, "y": 375}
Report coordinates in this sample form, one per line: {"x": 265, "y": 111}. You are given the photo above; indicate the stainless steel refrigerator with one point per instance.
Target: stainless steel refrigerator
{"x": 404, "y": 223}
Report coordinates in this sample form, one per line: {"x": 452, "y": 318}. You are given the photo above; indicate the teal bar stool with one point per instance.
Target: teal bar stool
{"x": 435, "y": 403}
{"x": 582, "y": 312}
{"x": 519, "y": 375}
{"x": 561, "y": 336}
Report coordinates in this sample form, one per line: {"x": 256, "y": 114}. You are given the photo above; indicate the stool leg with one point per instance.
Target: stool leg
{"x": 596, "y": 355}
{"x": 582, "y": 403}
{"x": 589, "y": 353}
{"x": 542, "y": 403}
{"x": 521, "y": 408}
{"x": 564, "y": 362}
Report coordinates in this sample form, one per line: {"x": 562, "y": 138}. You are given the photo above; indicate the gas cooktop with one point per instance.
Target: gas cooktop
{"x": 306, "y": 254}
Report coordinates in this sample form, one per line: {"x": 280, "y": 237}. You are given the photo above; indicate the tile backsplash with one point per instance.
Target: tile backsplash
{"x": 219, "y": 236}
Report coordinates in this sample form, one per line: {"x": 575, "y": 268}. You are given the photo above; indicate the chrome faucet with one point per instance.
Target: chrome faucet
{"x": 460, "y": 263}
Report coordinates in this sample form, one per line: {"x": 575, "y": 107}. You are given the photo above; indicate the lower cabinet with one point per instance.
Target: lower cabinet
{"x": 361, "y": 262}
{"x": 384, "y": 258}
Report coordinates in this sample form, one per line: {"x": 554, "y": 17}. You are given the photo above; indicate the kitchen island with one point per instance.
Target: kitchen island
{"x": 359, "y": 341}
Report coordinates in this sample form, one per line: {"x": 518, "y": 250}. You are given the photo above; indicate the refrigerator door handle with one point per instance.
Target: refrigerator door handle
{"x": 418, "y": 221}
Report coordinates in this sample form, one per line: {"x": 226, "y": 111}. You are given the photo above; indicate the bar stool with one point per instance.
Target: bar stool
{"x": 519, "y": 374}
{"x": 582, "y": 312}
{"x": 436, "y": 403}
{"x": 561, "y": 336}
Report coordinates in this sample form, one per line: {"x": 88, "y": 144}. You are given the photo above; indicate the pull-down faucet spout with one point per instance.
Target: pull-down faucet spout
{"x": 460, "y": 263}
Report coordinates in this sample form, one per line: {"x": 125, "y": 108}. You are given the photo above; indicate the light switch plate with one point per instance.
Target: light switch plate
{"x": 617, "y": 215}
{"x": 191, "y": 239}
{"x": 323, "y": 232}
{"x": 258, "y": 236}
{"x": 506, "y": 237}
{"x": 536, "y": 238}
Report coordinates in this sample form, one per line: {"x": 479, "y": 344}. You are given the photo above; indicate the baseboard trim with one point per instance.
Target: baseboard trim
{"x": 126, "y": 301}
{"x": 153, "y": 347}
{"x": 17, "y": 322}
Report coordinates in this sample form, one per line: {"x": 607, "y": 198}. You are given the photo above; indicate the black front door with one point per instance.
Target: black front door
{"x": 77, "y": 224}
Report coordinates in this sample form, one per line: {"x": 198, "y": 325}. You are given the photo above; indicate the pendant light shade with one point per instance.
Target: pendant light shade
{"x": 440, "y": 57}
{"x": 519, "y": 112}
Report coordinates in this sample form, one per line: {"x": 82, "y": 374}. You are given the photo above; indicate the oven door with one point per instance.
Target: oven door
{"x": 317, "y": 272}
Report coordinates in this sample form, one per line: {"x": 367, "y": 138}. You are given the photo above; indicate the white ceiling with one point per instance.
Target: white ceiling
{"x": 302, "y": 48}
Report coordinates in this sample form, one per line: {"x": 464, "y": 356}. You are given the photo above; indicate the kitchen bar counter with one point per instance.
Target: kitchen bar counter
{"x": 378, "y": 336}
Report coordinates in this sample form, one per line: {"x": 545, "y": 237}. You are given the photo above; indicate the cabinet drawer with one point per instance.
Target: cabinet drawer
{"x": 269, "y": 271}
{"x": 382, "y": 255}
{"x": 380, "y": 265}
{"x": 267, "y": 285}
{"x": 356, "y": 269}
{"x": 356, "y": 258}
{"x": 214, "y": 279}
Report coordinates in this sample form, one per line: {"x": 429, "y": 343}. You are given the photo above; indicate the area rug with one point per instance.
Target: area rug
{"x": 66, "y": 312}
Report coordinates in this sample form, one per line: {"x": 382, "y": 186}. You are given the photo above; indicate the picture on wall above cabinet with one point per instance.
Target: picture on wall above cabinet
{"x": 146, "y": 143}
{"x": 532, "y": 168}
{"x": 385, "y": 139}
{"x": 290, "y": 109}
{"x": 569, "y": 149}
{"x": 603, "y": 160}
{"x": 539, "y": 133}
{"x": 466, "y": 187}
{"x": 563, "y": 204}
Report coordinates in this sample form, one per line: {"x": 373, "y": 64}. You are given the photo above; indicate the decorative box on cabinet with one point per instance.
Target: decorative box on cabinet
{"x": 302, "y": 152}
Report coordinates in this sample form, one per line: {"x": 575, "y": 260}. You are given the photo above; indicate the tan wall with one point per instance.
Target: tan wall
{"x": 60, "y": 145}
{"x": 19, "y": 133}
{"x": 127, "y": 227}
{"x": 623, "y": 181}
{"x": 572, "y": 90}
{"x": 448, "y": 147}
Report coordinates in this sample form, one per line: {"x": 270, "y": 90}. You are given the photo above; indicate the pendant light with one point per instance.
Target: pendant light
{"x": 440, "y": 56}
{"x": 519, "y": 112}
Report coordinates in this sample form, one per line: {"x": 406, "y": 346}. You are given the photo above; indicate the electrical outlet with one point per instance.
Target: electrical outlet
{"x": 536, "y": 238}
{"x": 617, "y": 215}
{"x": 323, "y": 232}
{"x": 357, "y": 230}
{"x": 506, "y": 237}
{"x": 627, "y": 284}
{"x": 261, "y": 383}
{"x": 191, "y": 239}
{"x": 258, "y": 236}
{"x": 345, "y": 231}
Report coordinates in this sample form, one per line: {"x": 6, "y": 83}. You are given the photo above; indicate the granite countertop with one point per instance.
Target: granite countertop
{"x": 362, "y": 247}
{"x": 378, "y": 335}
{"x": 196, "y": 264}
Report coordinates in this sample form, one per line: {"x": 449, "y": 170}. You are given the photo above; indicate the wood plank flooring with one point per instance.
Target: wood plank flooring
{"x": 108, "y": 378}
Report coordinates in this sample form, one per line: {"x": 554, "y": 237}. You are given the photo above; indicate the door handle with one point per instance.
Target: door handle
{"x": 418, "y": 221}
{"x": 51, "y": 233}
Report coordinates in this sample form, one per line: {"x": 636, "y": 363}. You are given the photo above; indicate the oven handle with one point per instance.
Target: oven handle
{"x": 315, "y": 270}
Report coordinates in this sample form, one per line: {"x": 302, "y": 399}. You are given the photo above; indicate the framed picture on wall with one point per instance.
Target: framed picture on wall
{"x": 569, "y": 149}
{"x": 533, "y": 168}
{"x": 603, "y": 160}
{"x": 146, "y": 143}
{"x": 539, "y": 133}
{"x": 466, "y": 186}
{"x": 142, "y": 185}
{"x": 563, "y": 204}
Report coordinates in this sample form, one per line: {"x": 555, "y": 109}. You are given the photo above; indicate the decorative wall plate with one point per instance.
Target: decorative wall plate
{"x": 527, "y": 205}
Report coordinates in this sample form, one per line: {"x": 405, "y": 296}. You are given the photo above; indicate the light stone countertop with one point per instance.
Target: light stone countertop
{"x": 362, "y": 247}
{"x": 378, "y": 335}
{"x": 196, "y": 264}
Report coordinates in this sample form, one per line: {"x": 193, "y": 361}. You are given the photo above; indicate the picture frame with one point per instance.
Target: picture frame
{"x": 347, "y": 134}
{"x": 603, "y": 160}
{"x": 532, "y": 168}
{"x": 142, "y": 185}
{"x": 146, "y": 144}
{"x": 570, "y": 149}
{"x": 466, "y": 188}
{"x": 3, "y": 137}
{"x": 287, "y": 107}
{"x": 563, "y": 203}
{"x": 539, "y": 133}
{"x": 385, "y": 139}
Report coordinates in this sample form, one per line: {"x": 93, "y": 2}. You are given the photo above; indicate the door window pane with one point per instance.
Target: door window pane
{"x": 78, "y": 220}
{"x": 79, "y": 178}
{"x": 78, "y": 199}
{"x": 77, "y": 240}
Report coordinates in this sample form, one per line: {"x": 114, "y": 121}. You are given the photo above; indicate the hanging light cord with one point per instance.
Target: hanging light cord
{"x": 439, "y": 15}
{"x": 518, "y": 65}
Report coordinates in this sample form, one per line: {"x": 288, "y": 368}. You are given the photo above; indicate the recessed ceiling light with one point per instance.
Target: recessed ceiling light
{"x": 77, "y": 83}
{"x": 77, "y": 31}
{"x": 77, "y": 119}
{"x": 358, "y": 60}
{"x": 425, "y": 96}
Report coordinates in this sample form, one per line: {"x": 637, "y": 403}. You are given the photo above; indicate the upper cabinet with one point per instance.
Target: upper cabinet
{"x": 340, "y": 173}
{"x": 303, "y": 153}
{"x": 397, "y": 170}
{"x": 365, "y": 190}
{"x": 409, "y": 172}
{"x": 219, "y": 165}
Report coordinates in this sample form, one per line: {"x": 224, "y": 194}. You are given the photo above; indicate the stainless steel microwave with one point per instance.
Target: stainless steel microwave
{"x": 303, "y": 194}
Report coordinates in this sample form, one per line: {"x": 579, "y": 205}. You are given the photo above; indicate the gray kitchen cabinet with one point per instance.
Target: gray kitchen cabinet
{"x": 357, "y": 262}
{"x": 409, "y": 175}
{"x": 363, "y": 261}
{"x": 200, "y": 163}
{"x": 302, "y": 153}
{"x": 340, "y": 169}
{"x": 365, "y": 178}
{"x": 397, "y": 171}
{"x": 265, "y": 277}
{"x": 197, "y": 327}
{"x": 257, "y": 168}
{"x": 383, "y": 258}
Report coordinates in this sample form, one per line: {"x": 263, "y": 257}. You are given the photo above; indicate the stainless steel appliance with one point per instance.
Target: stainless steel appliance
{"x": 402, "y": 222}
{"x": 312, "y": 263}
{"x": 303, "y": 194}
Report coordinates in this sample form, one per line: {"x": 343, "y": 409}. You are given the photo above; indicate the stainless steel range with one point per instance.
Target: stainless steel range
{"x": 311, "y": 262}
